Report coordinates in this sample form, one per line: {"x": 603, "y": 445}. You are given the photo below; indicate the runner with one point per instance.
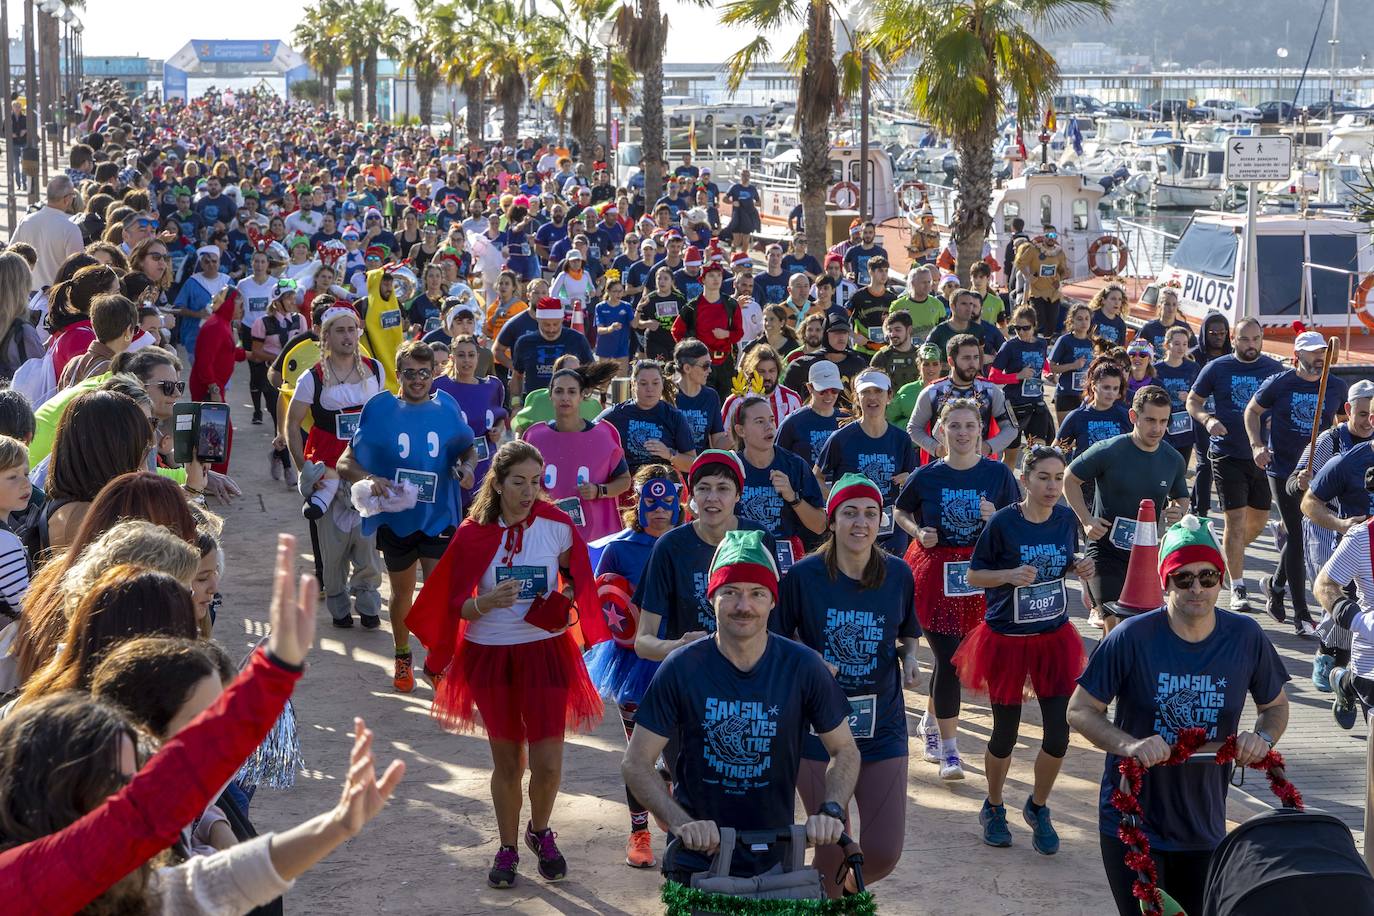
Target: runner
{"x": 1190, "y": 664}
{"x": 1351, "y": 562}
{"x": 1101, "y": 416}
{"x": 805, "y": 431}
{"x": 1124, "y": 471}
{"x": 612, "y": 320}
{"x": 943, "y": 507}
{"x": 963, "y": 320}
{"x": 1231, "y": 381}
{"x": 584, "y": 465}
{"x": 1106, "y": 306}
{"x": 1157, "y": 330}
{"x": 258, "y": 290}
{"x": 270, "y": 333}
{"x": 924, "y": 309}
{"x": 903, "y": 403}
{"x": 898, "y": 356}
{"x": 780, "y": 492}
{"x": 1069, "y": 359}
{"x": 697, "y": 401}
{"x": 1215, "y": 342}
{"x": 1290, "y": 399}
{"x": 418, "y": 439}
{"x": 1176, "y": 373}
{"x": 965, "y": 360}
{"x": 763, "y": 365}
{"x": 1019, "y": 366}
{"x": 834, "y": 349}
{"x": 743, "y": 678}
{"x": 1021, "y": 559}
{"x": 1141, "y": 372}
{"x": 852, "y": 603}
{"x": 481, "y": 399}
{"x": 870, "y": 306}
{"x": 651, "y": 428}
{"x": 534, "y": 353}
{"x": 658, "y": 311}
{"x": 714, "y": 319}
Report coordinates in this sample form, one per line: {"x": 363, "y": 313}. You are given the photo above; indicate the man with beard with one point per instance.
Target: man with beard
{"x": 1231, "y": 381}
{"x": 835, "y": 348}
{"x": 857, "y": 257}
{"x": 1045, "y": 267}
{"x": 965, "y": 360}
{"x": 963, "y": 319}
{"x": 552, "y": 232}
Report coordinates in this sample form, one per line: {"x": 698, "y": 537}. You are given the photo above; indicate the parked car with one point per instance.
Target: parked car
{"x": 1172, "y": 110}
{"x": 1226, "y": 110}
{"x": 1274, "y": 111}
{"x": 1077, "y": 104}
{"x": 1128, "y": 110}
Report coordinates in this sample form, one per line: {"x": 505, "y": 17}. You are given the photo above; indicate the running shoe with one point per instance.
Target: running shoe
{"x": 370, "y": 621}
{"x": 1273, "y": 599}
{"x": 1305, "y": 627}
{"x": 1095, "y": 619}
{"x": 291, "y": 476}
{"x": 994, "y": 821}
{"x": 1343, "y": 699}
{"x": 343, "y": 623}
{"x": 639, "y": 850}
{"x": 1043, "y": 836}
{"x": 552, "y": 865}
{"x": 1321, "y": 671}
{"x": 1240, "y": 599}
{"x": 435, "y": 679}
{"x": 404, "y": 678}
{"x": 274, "y": 465}
{"x": 931, "y": 733}
{"x": 502, "y": 872}
{"x": 953, "y": 767}
{"x": 257, "y": 418}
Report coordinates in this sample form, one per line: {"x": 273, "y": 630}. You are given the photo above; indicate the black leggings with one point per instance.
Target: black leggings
{"x": 1006, "y": 726}
{"x": 1292, "y": 570}
{"x": 638, "y": 813}
{"x": 1183, "y": 875}
{"x": 944, "y": 680}
{"x": 1202, "y": 483}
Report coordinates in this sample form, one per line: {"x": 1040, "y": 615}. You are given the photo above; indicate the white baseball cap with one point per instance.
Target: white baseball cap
{"x": 1309, "y": 342}
{"x": 872, "y": 378}
{"x": 1364, "y": 388}
{"x": 824, "y": 376}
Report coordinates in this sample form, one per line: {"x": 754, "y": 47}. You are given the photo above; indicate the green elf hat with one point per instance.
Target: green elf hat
{"x": 714, "y": 456}
{"x": 742, "y": 557}
{"x": 851, "y": 486}
{"x": 1189, "y": 541}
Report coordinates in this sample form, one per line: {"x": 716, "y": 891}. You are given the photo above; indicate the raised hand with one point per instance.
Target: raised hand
{"x": 363, "y": 795}
{"x": 293, "y": 607}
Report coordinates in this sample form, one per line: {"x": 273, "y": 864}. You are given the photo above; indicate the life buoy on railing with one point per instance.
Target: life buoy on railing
{"x": 844, "y": 195}
{"x": 921, "y": 201}
{"x": 1362, "y": 302}
{"x": 1096, "y": 246}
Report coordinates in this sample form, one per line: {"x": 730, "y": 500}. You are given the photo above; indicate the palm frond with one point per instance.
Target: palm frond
{"x": 764, "y": 14}
{"x": 739, "y": 64}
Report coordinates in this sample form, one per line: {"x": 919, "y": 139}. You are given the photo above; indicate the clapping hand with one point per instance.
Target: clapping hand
{"x": 292, "y": 612}
{"x": 363, "y": 795}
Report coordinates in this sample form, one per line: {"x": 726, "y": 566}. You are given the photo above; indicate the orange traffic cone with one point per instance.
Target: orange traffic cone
{"x": 1142, "y": 591}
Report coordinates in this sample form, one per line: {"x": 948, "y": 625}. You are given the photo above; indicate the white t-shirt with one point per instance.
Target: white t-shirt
{"x": 1350, "y": 563}
{"x": 256, "y": 296}
{"x": 336, "y": 397}
{"x": 544, "y": 541}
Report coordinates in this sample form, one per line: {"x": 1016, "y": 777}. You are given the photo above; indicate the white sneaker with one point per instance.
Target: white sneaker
{"x": 1095, "y": 619}
{"x": 932, "y": 750}
{"x": 953, "y": 767}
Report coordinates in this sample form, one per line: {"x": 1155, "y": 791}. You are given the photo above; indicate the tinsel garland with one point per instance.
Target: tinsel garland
{"x": 277, "y": 760}
{"x": 680, "y": 900}
{"x": 1129, "y": 831}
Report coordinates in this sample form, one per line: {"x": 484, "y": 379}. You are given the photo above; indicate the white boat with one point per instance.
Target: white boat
{"x": 1188, "y": 175}
{"x": 779, "y": 183}
{"x": 1067, "y": 201}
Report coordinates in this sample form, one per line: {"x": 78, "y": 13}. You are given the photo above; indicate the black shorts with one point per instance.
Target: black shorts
{"x": 402, "y": 552}
{"x": 1110, "y": 576}
{"x": 1240, "y": 484}
{"x": 1063, "y": 403}
{"x": 1032, "y": 420}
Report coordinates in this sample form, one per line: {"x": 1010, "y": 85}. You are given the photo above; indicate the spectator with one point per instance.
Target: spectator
{"x": 52, "y": 234}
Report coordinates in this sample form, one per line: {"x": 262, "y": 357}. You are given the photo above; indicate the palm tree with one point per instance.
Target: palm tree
{"x": 456, "y": 45}
{"x": 499, "y": 56}
{"x": 822, "y": 86}
{"x": 566, "y": 55}
{"x": 316, "y": 37}
{"x": 380, "y": 29}
{"x": 643, "y": 34}
{"x": 974, "y": 56}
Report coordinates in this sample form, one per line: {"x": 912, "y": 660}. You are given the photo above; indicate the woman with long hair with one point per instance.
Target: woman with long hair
{"x": 150, "y": 273}
{"x": 651, "y": 428}
{"x": 109, "y": 255}
{"x": 618, "y": 673}
{"x": 584, "y": 465}
{"x": 482, "y": 400}
{"x": 698, "y": 401}
{"x": 1026, "y": 639}
{"x": 511, "y": 656}
{"x": 1107, "y": 305}
{"x": 69, "y": 311}
{"x": 19, "y": 340}
{"x": 777, "y": 333}
{"x": 1142, "y": 371}
{"x": 1018, "y": 367}
{"x": 1069, "y": 359}
{"x": 1157, "y": 329}
{"x": 852, "y": 586}
{"x": 944, "y": 506}
{"x": 1101, "y": 415}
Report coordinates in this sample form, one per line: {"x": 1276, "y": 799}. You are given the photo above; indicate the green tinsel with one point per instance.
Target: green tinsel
{"x": 680, "y": 900}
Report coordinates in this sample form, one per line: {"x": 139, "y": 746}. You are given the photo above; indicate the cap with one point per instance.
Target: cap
{"x": 1364, "y": 388}
{"x": 834, "y": 321}
{"x": 872, "y": 378}
{"x": 833, "y": 259}
{"x": 824, "y": 376}
{"x": 648, "y": 245}
{"x": 1140, "y": 345}
{"x": 573, "y": 255}
{"x": 1309, "y": 342}
{"x": 948, "y": 278}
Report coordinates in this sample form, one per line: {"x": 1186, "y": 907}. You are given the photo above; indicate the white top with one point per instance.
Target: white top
{"x": 256, "y": 296}
{"x": 1350, "y": 563}
{"x": 544, "y": 541}
{"x": 751, "y": 318}
{"x": 54, "y": 236}
{"x": 336, "y": 397}
{"x": 229, "y": 882}
{"x": 14, "y": 569}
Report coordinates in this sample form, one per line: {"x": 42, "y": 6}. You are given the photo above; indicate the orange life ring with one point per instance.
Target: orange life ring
{"x": 1362, "y": 301}
{"x": 921, "y": 202}
{"x": 849, "y": 186}
{"x": 1120, "y": 256}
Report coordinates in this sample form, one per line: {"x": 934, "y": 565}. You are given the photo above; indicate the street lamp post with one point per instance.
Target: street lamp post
{"x": 12, "y": 166}
{"x": 31, "y": 152}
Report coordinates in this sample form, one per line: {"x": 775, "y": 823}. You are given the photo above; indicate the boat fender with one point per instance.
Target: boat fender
{"x": 1096, "y": 246}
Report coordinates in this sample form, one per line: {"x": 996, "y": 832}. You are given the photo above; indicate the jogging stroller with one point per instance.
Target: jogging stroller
{"x": 788, "y": 887}
{"x": 1288, "y": 863}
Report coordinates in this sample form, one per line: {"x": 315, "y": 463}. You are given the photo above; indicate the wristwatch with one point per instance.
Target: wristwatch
{"x": 1264, "y": 736}
{"x": 792, "y": 503}
{"x": 832, "y": 809}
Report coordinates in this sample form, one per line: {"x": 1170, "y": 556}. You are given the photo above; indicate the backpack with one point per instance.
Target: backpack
{"x": 36, "y": 378}
{"x": 18, "y": 342}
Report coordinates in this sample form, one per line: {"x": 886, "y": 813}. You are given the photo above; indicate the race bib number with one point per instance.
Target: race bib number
{"x": 573, "y": 506}
{"x": 863, "y": 713}
{"x": 1047, "y": 270}
{"x": 876, "y": 335}
{"x": 1032, "y": 388}
{"x": 1039, "y": 602}
{"x": 427, "y": 482}
{"x": 391, "y": 319}
{"x": 483, "y": 448}
{"x": 666, "y": 309}
{"x": 534, "y": 580}
{"x": 1078, "y": 380}
{"x": 1180, "y": 422}
{"x": 956, "y": 580}
{"x": 887, "y": 526}
{"x": 346, "y": 424}
{"x": 784, "y": 556}
{"x": 1123, "y": 533}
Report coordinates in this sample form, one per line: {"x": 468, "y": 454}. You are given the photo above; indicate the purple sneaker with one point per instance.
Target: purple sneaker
{"x": 552, "y": 865}
{"x": 502, "y": 872}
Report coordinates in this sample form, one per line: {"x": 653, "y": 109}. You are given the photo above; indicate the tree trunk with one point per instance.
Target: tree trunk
{"x": 426, "y": 83}
{"x": 652, "y": 109}
{"x": 510, "y": 118}
{"x": 473, "y": 90}
{"x": 584, "y": 112}
{"x": 813, "y": 126}
{"x": 972, "y": 216}
{"x": 329, "y": 76}
{"x": 357, "y": 106}
{"x": 370, "y": 78}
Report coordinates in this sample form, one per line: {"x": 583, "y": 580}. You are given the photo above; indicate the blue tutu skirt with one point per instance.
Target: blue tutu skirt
{"x": 618, "y": 673}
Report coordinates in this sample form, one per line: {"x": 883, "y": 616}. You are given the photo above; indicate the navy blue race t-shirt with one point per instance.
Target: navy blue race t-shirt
{"x": 740, "y": 734}
{"x": 1342, "y": 479}
{"x": 636, "y": 426}
{"x": 1069, "y": 349}
{"x": 1178, "y": 381}
{"x": 1155, "y": 332}
{"x": 856, "y": 630}
{"x": 534, "y": 355}
{"x": 852, "y": 450}
{"x": 1163, "y": 684}
{"x": 760, "y": 501}
{"x": 1292, "y": 406}
{"x": 1232, "y": 383}
{"x": 804, "y": 432}
{"x": 1011, "y": 540}
{"x": 770, "y": 290}
{"x": 674, "y": 582}
{"x": 702, "y": 411}
{"x": 947, "y": 499}
{"x": 1017, "y": 354}
{"x": 1113, "y": 329}
{"x": 1086, "y": 426}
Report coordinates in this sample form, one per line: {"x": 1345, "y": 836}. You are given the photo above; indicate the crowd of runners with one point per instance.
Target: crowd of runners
{"x": 603, "y": 454}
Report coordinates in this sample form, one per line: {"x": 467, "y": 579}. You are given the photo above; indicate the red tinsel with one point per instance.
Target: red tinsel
{"x": 1138, "y": 858}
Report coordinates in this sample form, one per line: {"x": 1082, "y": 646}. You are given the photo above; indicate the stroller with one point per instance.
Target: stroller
{"x": 1288, "y": 863}
{"x": 715, "y": 891}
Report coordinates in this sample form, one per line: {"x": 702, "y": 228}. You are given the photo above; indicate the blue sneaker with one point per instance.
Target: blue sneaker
{"x": 994, "y": 821}
{"x": 1343, "y": 702}
{"x": 1043, "y": 836}
{"x": 1321, "y": 671}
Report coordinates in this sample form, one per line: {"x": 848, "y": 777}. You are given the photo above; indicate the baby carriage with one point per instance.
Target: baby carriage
{"x": 788, "y": 887}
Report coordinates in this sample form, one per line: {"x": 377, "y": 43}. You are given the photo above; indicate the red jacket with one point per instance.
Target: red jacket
{"x": 217, "y": 349}
{"x": 65, "y": 871}
{"x": 724, "y": 314}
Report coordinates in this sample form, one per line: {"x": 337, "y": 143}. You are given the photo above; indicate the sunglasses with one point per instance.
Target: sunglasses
{"x": 411, "y": 374}
{"x": 1022, "y": 327}
{"x": 171, "y": 389}
{"x": 145, "y": 224}
{"x": 1207, "y": 578}
{"x": 1140, "y": 356}
{"x": 157, "y": 255}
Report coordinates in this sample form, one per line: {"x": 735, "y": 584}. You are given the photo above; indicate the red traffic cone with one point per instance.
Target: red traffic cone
{"x": 1142, "y": 591}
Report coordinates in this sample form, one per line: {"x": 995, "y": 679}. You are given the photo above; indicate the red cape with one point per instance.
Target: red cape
{"x": 436, "y": 619}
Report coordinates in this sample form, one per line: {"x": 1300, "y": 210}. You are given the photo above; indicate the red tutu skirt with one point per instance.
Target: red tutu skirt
{"x": 1000, "y": 665}
{"x": 526, "y": 692}
{"x": 938, "y": 612}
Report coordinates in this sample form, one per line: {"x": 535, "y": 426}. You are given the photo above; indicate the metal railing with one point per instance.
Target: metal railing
{"x": 1305, "y": 294}
{"x": 1143, "y": 232}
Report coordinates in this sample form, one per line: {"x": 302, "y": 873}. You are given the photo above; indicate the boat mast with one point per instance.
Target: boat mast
{"x": 1334, "y": 42}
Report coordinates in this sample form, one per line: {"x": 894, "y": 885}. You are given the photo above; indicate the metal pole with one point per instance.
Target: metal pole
{"x": 1251, "y": 205}
{"x": 608, "y": 103}
{"x": 864, "y": 209}
{"x": 31, "y": 151}
{"x": 12, "y": 165}
{"x": 1334, "y": 41}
